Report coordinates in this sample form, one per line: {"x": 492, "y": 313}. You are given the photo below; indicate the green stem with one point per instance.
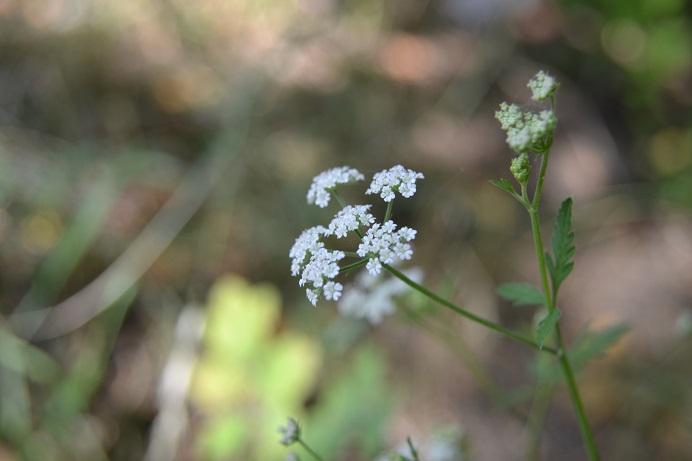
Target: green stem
{"x": 309, "y": 450}
{"x": 464, "y": 313}
{"x": 414, "y": 453}
{"x": 584, "y": 427}
{"x": 388, "y": 212}
{"x": 354, "y": 265}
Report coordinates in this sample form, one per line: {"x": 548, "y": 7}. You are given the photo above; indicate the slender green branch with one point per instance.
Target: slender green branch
{"x": 464, "y": 313}
{"x": 338, "y": 198}
{"x": 388, "y": 212}
{"x": 414, "y": 453}
{"x": 307, "y": 448}
{"x": 584, "y": 427}
{"x": 354, "y": 265}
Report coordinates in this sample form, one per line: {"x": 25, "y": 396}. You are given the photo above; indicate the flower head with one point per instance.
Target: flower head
{"x": 349, "y": 219}
{"x": 319, "y": 272}
{"x": 326, "y": 181}
{"x": 306, "y": 244}
{"x": 526, "y": 131}
{"x": 542, "y": 86}
{"x": 395, "y": 179}
{"x": 290, "y": 433}
{"x": 292, "y": 457}
{"x": 384, "y": 244}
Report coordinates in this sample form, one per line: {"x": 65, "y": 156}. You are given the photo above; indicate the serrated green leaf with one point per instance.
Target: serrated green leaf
{"x": 546, "y": 326}
{"x": 521, "y": 294}
{"x": 561, "y": 263}
{"x": 504, "y": 185}
{"x": 594, "y": 344}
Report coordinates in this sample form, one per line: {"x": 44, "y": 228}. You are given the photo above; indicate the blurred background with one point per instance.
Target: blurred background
{"x": 154, "y": 160}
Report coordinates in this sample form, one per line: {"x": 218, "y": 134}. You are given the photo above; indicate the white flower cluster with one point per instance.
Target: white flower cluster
{"x": 325, "y": 182}
{"x": 395, "y": 179}
{"x": 321, "y": 267}
{"x": 372, "y": 299}
{"x": 542, "y": 86}
{"x": 290, "y": 433}
{"x": 380, "y": 244}
{"x": 349, "y": 219}
{"x": 525, "y": 130}
{"x": 384, "y": 244}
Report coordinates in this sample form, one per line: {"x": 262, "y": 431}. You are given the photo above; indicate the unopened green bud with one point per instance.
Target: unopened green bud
{"x": 521, "y": 168}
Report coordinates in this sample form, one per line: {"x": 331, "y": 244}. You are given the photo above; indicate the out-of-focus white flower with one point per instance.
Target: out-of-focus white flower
{"x": 542, "y": 86}
{"x": 395, "y": 179}
{"x": 290, "y": 432}
{"x": 323, "y": 183}
{"x": 292, "y": 457}
{"x": 384, "y": 244}
{"x": 307, "y": 243}
{"x": 332, "y": 291}
{"x": 372, "y": 298}
{"x": 349, "y": 219}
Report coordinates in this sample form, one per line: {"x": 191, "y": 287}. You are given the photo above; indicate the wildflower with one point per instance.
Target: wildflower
{"x": 319, "y": 271}
{"x": 526, "y": 130}
{"x": 349, "y": 219}
{"x": 509, "y": 115}
{"x": 290, "y": 433}
{"x": 307, "y": 243}
{"x": 542, "y": 86}
{"x": 395, "y": 179}
{"x": 332, "y": 291}
{"x": 371, "y": 298}
{"x": 384, "y": 244}
{"x": 292, "y": 457}
{"x": 521, "y": 168}
{"x": 325, "y": 182}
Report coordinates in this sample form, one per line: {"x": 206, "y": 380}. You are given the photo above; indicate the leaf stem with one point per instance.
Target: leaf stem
{"x": 469, "y": 315}
{"x": 584, "y": 427}
{"x": 309, "y": 450}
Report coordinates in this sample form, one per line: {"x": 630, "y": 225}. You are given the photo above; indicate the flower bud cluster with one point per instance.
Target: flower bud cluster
{"x": 542, "y": 86}
{"x": 526, "y": 131}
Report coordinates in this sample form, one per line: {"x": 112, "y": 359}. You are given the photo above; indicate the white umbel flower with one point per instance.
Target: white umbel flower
{"x": 525, "y": 130}
{"x": 323, "y": 183}
{"x": 396, "y": 179}
{"x": 542, "y": 86}
{"x": 332, "y": 291}
{"x": 349, "y": 219}
{"x": 307, "y": 243}
{"x": 290, "y": 433}
{"x": 384, "y": 244}
{"x": 371, "y": 298}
